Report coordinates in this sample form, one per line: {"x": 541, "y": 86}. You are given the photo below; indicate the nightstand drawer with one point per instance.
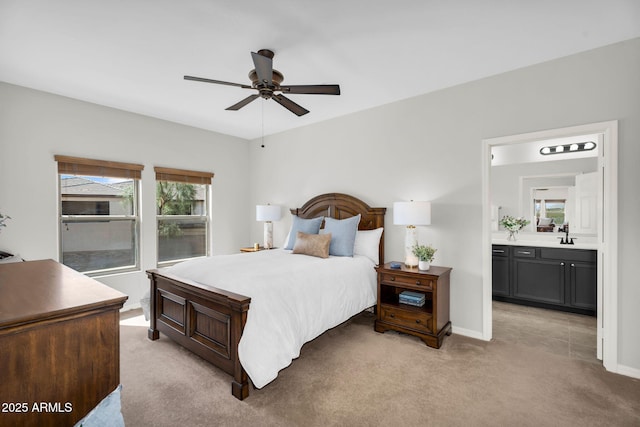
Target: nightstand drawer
{"x": 394, "y": 279}
{"x": 412, "y": 319}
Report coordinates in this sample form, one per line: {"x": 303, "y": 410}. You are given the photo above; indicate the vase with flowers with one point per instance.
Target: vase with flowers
{"x": 513, "y": 225}
{"x": 425, "y": 255}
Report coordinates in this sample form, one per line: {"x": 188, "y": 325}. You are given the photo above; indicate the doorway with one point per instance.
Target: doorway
{"x": 607, "y": 285}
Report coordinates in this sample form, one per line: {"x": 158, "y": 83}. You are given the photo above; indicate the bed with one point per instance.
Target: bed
{"x": 204, "y": 304}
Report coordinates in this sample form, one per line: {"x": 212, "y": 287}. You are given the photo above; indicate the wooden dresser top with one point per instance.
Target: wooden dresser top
{"x": 38, "y": 290}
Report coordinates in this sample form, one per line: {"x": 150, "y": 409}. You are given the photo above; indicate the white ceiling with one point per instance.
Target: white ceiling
{"x": 133, "y": 54}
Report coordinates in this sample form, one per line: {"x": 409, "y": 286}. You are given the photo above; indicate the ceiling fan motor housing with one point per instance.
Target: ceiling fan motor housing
{"x": 266, "y": 91}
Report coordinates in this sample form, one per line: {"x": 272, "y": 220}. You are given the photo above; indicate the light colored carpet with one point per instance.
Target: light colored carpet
{"x": 354, "y": 376}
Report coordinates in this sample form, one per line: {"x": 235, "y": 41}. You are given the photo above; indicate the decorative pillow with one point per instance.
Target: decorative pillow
{"x": 308, "y": 226}
{"x": 344, "y": 234}
{"x": 367, "y": 243}
{"x": 545, "y": 221}
{"x": 312, "y": 244}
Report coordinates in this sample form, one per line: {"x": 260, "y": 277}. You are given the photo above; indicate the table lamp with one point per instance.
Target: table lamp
{"x": 411, "y": 214}
{"x": 268, "y": 213}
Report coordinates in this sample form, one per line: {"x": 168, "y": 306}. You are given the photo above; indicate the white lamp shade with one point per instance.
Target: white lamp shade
{"x": 412, "y": 213}
{"x": 267, "y": 213}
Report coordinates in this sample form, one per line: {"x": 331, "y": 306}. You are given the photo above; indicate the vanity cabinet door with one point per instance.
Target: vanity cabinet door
{"x": 539, "y": 280}
{"x": 582, "y": 279}
{"x": 500, "y": 270}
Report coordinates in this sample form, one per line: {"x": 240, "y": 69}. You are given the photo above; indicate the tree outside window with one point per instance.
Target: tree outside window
{"x": 182, "y": 215}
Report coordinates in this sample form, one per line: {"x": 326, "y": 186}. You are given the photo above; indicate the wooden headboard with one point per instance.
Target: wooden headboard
{"x": 341, "y": 206}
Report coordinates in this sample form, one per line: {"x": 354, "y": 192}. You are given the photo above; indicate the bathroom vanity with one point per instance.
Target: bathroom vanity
{"x": 559, "y": 278}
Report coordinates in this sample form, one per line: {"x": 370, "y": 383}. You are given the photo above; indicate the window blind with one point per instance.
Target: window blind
{"x": 91, "y": 167}
{"x": 181, "y": 175}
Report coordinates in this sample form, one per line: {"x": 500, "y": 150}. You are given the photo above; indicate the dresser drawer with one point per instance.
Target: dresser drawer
{"x": 413, "y": 319}
{"x": 394, "y": 279}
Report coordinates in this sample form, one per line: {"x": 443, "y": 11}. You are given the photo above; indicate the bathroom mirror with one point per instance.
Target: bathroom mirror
{"x": 553, "y": 192}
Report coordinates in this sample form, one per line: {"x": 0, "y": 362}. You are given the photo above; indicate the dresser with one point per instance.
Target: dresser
{"x": 59, "y": 343}
{"x": 430, "y": 322}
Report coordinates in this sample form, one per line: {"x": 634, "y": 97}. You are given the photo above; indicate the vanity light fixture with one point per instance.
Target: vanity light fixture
{"x": 568, "y": 148}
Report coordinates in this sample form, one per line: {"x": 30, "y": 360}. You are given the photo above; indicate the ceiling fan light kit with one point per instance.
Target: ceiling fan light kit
{"x": 267, "y": 81}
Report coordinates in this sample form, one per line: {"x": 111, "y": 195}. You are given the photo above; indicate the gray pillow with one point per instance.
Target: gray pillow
{"x": 545, "y": 221}
{"x": 308, "y": 226}
{"x": 343, "y": 232}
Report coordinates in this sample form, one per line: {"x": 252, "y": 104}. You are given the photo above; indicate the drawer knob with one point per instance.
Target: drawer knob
{"x": 418, "y": 282}
{"x": 417, "y": 320}
{"x": 392, "y": 315}
{"x": 393, "y": 278}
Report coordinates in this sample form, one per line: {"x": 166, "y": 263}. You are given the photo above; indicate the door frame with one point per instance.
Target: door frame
{"x": 607, "y": 288}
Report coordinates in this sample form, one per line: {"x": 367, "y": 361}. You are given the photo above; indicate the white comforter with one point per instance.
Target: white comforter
{"x": 294, "y": 298}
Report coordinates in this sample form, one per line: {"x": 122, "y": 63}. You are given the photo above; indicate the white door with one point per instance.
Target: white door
{"x": 585, "y": 218}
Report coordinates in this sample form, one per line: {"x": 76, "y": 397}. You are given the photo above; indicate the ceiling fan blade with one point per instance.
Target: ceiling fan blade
{"x": 290, "y": 105}
{"x": 220, "y": 82}
{"x": 242, "y": 103}
{"x": 264, "y": 68}
{"x": 312, "y": 89}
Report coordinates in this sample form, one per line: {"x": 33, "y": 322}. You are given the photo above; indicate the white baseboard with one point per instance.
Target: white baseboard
{"x": 467, "y": 333}
{"x": 629, "y": 371}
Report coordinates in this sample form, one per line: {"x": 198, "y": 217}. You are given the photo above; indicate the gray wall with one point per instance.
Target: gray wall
{"x": 429, "y": 148}
{"x": 35, "y": 125}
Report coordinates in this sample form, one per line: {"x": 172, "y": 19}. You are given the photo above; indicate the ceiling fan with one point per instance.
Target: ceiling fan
{"x": 267, "y": 82}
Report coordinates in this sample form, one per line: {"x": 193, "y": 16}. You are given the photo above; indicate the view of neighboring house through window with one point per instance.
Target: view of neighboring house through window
{"x": 182, "y": 199}
{"x": 99, "y": 219}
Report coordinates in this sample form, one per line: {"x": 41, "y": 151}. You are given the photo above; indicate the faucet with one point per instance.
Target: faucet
{"x": 565, "y": 240}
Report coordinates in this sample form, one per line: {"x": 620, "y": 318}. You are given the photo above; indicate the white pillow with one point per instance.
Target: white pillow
{"x": 545, "y": 222}
{"x": 368, "y": 244}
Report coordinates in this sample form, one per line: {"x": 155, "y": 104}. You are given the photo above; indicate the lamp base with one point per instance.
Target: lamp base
{"x": 410, "y": 240}
{"x": 268, "y": 235}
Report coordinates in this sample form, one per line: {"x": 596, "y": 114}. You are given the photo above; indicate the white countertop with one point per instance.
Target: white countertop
{"x": 529, "y": 239}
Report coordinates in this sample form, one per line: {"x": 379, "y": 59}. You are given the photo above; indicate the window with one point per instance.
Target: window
{"x": 99, "y": 219}
{"x": 554, "y": 209}
{"x": 182, "y": 199}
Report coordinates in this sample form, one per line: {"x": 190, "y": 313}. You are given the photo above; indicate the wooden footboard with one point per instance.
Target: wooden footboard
{"x": 210, "y": 321}
{"x": 207, "y": 321}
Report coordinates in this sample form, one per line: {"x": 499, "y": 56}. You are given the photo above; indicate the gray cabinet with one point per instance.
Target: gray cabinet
{"x": 556, "y": 278}
{"x": 538, "y": 280}
{"x": 500, "y": 266}
{"x": 583, "y": 283}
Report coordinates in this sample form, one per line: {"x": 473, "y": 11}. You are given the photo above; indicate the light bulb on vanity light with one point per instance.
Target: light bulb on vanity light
{"x": 411, "y": 214}
{"x": 268, "y": 213}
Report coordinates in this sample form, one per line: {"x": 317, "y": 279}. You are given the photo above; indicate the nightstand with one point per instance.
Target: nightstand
{"x": 430, "y": 322}
{"x": 253, "y": 249}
